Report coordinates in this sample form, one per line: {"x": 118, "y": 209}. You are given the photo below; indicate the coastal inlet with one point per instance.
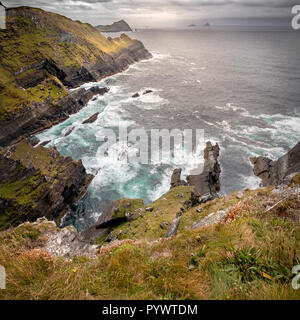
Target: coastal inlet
{"x": 254, "y": 112}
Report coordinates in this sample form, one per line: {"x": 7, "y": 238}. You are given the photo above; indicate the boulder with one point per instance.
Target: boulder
{"x": 147, "y": 91}
{"x": 44, "y": 143}
{"x": 210, "y": 220}
{"x": 91, "y": 119}
{"x": 69, "y": 131}
{"x": 136, "y": 95}
{"x": 172, "y": 231}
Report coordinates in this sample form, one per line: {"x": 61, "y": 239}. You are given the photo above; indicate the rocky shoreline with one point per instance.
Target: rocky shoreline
{"x": 45, "y": 79}
{"x": 60, "y": 55}
{"x": 42, "y": 116}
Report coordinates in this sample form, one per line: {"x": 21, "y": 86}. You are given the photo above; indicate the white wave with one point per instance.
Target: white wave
{"x": 231, "y": 107}
{"x": 152, "y": 99}
{"x": 114, "y": 168}
{"x": 159, "y": 56}
{"x": 162, "y": 187}
{"x": 250, "y": 182}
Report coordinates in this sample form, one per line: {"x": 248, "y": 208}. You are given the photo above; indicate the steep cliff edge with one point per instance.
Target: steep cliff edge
{"x": 235, "y": 247}
{"x": 38, "y": 182}
{"x": 42, "y": 55}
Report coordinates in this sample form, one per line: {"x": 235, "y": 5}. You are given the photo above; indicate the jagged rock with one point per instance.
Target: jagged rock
{"x": 207, "y": 182}
{"x": 44, "y": 143}
{"x": 195, "y": 199}
{"x": 136, "y": 95}
{"x": 65, "y": 242}
{"x": 91, "y": 119}
{"x": 172, "y": 231}
{"x": 69, "y": 131}
{"x": 149, "y": 209}
{"x": 176, "y": 179}
{"x": 277, "y": 172}
{"x": 147, "y": 91}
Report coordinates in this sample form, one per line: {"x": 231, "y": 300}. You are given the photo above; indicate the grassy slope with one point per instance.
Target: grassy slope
{"x": 29, "y": 40}
{"x": 248, "y": 257}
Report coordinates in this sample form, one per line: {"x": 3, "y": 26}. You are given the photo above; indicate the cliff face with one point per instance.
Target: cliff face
{"x": 118, "y": 26}
{"x": 38, "y": 182}
{"x": 42, "y": 55}
{"x": 204, "y": 180}
{"x": 280, "y": 171}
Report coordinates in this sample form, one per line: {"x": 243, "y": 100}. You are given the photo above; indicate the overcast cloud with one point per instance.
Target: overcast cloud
{"x": 166, "y": 13}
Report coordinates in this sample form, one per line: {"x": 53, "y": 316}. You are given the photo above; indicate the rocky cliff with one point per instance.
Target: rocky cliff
{"x": 42, "y": 55}
{"x": 119, "y": 26}
{"x": 205, "y": 179}
{"x": 241, "y": 246}
{"x": 38, "y": 182}
{"x": 280, "y": 171}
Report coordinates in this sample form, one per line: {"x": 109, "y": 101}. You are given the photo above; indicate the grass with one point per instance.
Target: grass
{"x": 250, "y": 256}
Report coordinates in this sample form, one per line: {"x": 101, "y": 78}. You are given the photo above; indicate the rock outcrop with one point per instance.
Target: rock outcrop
{"x": 116, "y": 213}
{"x": 172, "y": 231}
{"x": 211, "y": 219}
{"x": 40, "y": 116}
{"x": 38, "y": 182}
{"x": 277, "y": 172}
{"x": 206, "y": 183}
{"x": 176, "y": 179}
{"x": 91, "y": 119}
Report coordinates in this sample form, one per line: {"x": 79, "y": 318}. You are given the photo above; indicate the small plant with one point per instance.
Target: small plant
{"x": 250, "y": 265}
{"x": 193, "y": 262}
{"x": 202, "y": 251}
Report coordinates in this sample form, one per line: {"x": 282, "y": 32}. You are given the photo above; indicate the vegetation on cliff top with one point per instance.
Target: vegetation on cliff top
{"x": 33, "y": 35}
{"x": 248, "y": 256}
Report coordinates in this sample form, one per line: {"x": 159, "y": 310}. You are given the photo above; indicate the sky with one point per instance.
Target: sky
{"x": 169, "y": 13}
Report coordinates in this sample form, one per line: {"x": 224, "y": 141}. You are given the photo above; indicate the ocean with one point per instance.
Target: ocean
{"x": 241, "y": 86}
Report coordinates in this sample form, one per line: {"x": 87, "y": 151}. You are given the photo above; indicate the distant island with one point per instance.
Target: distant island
{"x": 207, "y": 24}
{"x": 118, "y": 26}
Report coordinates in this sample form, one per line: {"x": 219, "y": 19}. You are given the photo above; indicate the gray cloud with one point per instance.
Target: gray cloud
{"x": 162, "y": 12}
